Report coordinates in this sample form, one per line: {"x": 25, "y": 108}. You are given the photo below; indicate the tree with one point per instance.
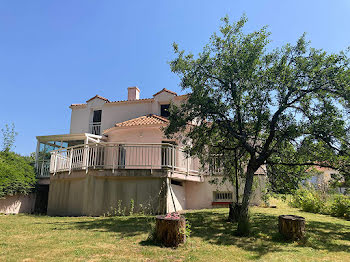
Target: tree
{"x": 243, "y": 96}
{"x": 16, "y": 172}
{"x": 8, "y": 137}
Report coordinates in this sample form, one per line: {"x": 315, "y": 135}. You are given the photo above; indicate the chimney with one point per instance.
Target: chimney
{"x": 133, "y": 93}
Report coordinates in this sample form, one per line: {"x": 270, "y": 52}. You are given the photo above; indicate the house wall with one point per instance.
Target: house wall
{"x": 17, "y": 204}
{"x": 201, "y": 195}
{"x": 136, "y": 135}
{"x": 113, "y": 113}
{"x": 98, "y": 192}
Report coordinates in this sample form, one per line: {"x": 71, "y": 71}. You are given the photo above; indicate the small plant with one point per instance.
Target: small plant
{"x": 187, "y": 231}
{"x": 119, "y": 207}
{"x": 132, "y": 205}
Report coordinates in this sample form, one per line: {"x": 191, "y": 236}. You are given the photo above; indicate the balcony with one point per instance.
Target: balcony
{"x": 42, "y": 169}
{"x": 95, "y": 128}
{"x": 117, "y": 156}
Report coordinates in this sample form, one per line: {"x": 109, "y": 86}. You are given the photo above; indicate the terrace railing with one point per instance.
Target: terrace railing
{"x": 42, "y": 169}
{"x": 123, "y": 156}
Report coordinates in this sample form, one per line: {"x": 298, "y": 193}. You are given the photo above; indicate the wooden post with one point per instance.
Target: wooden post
{"x": 291, "y": 227}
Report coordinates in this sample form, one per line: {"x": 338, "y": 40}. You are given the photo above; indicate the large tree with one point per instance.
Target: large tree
{"x": 246, "y": 97}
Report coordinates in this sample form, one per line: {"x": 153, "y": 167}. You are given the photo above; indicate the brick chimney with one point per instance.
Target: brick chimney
{"x": 133, "y": 93}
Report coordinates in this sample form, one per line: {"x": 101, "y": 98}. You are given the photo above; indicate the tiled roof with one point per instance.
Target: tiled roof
{"x": 97, "y": 96}
{"x": 141, "y": 99}
{"x": 165, "y": 90}
{"x": 133, "y": 101}
{"x": 78, "y": 105}
{"x": 144, "y": 120}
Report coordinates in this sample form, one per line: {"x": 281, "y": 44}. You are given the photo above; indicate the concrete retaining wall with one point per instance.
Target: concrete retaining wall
{"x": 98, "y": 192}
{"x": 17, "y": 204}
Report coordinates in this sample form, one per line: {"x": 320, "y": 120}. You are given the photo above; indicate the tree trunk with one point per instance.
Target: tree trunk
{"x": 170, "y": 230}
{"x": 243, "y": 222}
{"x": 291, "y": 227}
{"x": 235, "y": 211}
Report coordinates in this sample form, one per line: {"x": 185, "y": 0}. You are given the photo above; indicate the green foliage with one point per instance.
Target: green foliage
{"x": 8, "y": 137}
{"x": 308, "y": 200}
{"x": 16, "y": 174}
{"x": 311, "y": 200}
{"x": 340, "y": 206}
{"x": 187, "y": 231}
{"x": 132, "y": 206}
{"x": 263, "y": 103}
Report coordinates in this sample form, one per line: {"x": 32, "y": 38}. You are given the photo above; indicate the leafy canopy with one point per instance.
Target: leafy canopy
{"x": 16, "y": 172}
{"x": 243, "y": 96}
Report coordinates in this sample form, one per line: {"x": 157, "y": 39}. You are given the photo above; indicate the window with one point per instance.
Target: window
{"x": 164, "y": 110}
{"x": 223, "y": 197}
{"x": 97, "y": 116}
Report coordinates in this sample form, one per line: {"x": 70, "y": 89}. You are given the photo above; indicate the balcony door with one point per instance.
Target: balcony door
{"x": 95, "y": 126}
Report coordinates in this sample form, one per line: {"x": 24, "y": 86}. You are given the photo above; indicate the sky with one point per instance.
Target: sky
{"x": 56, "y": 53}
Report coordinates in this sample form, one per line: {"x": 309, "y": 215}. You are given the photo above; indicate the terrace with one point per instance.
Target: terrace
{"x": 123, "y": 156}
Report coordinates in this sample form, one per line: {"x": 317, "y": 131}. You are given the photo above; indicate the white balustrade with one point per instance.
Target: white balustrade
{"x": 95, "y": 128}
{"x": 123, "y": 156}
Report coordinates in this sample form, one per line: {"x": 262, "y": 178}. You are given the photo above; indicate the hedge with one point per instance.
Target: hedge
{"x": 16, "y": 174}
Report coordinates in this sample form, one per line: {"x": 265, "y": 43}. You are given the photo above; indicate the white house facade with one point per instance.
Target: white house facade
{"x": 116, "y": 153}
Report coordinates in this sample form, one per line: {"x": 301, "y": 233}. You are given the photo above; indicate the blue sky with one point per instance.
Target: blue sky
{"x": 55, "y": 53}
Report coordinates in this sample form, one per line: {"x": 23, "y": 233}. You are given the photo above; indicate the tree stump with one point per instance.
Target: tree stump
{"x": 291, "y": 227}
{"x": 170, "y": 229}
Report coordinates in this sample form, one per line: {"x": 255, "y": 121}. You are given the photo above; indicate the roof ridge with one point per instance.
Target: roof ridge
{"x": 166, "y": 90}
{"x": 98, "y": 96}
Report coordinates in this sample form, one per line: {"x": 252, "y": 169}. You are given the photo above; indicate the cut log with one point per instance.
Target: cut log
{"x": 170, "y": 230}
{"x": 291, "y": 227}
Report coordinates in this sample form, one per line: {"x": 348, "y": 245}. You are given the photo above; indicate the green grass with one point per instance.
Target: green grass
{"x": 42, "y": 238}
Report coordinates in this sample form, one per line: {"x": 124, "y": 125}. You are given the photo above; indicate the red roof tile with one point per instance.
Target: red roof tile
{"x": 165, "y": 90}
{"x": 97, "y": 96}
{"x": 144, "y": 120}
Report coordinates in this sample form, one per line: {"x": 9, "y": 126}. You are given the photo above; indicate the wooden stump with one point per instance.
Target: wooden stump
{"x": 170, "y": 230}
{"x": 291, "y": 227}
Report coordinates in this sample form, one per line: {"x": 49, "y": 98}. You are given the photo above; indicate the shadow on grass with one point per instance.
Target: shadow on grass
{"x": 123, "y": 226}
{"x": 264, "y": 237}
{"x": 212, "y": 227}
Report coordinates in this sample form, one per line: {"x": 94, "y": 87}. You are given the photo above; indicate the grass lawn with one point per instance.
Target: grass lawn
{"x": 42, "y": 238}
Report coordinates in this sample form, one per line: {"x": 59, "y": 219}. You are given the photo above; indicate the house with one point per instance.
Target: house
{"x": 116, "y": 152}
{"x": 323, "y": 177}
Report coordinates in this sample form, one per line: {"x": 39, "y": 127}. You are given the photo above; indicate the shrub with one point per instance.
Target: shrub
{"x": 16, "y": 174}
{"x": 310, "y": 200}
{"x": 341, "y": 206}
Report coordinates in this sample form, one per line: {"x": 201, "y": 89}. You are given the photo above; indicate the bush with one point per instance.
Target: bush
{"x": 307, "y": 200}
{"x": 341, "y": 206}
{"x": 16, "y": 174}
{"x": 310, "y": 200}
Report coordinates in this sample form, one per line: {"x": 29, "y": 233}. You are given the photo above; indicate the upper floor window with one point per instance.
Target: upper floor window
{"x": 97, "y": 116}
{"x": 95, "y": 126}
{"x": 164, "y": 110}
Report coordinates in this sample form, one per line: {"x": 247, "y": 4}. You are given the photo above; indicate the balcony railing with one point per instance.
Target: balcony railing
{"x": 123, "y": 156}
{"x": 95, "y": 128}
{"x": 42, "y": 169}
